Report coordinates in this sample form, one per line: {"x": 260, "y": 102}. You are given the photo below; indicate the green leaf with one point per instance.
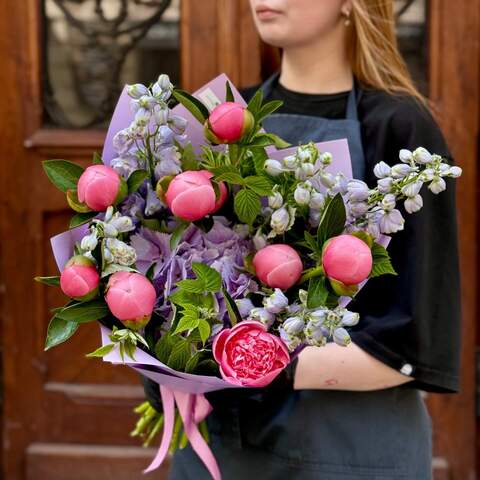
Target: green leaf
{"x": 232, "y": 308}
{"x": 255, "y": 103}
{"x": 211, "y": 279}
{"x": 97, "y": 159}
{"x": 62, "y": 173}
{"x": 333, "y": 220}
{"x": 341, "y": 289}
{"x": 164, "y": 347}
{"x": 191, "y": 286}
{"x": 102, "y": 351}
{"x": 260, "y": 140}
{"x": 311, "y": 242}
{"x": 192, "y": 104}
{"x": 278, "y": 141}
{"x": 193, "y": 362}
{"x": 382, "y": 264}
{"x": 268, "y": 108}
{"x": 180, "y": 355}
{"x": 54, "y": 281}
{"x": 364, "y": 236}
{"x": 59, "y": 331}
{"x": 230, "y": 177}
{"x": 81, "y": 218}
{"x": 150, "y": 271}
{"x": 317, "y": 292}
{"x": 259, "y": 184}
{"x": 83, "y": 312}
{"x": 204, "y": 329}
{"x": 229, "y": 94}
{"x": 135, "y": 179}
{"x": 152, "y": 224}
{"x": 187, "y": 322}
{"x": 189, "y": 159}
{"x": 247, "y": 205}
{"x": 177, "y": 234}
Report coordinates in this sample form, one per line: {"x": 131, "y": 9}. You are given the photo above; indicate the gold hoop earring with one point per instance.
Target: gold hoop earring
{"x": 347, "y": 21}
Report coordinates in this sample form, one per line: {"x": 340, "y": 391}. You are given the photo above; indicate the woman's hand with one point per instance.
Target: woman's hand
{"x": 343, "y": 368}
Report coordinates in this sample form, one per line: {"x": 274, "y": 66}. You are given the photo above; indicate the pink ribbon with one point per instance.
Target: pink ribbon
{"x": 193, "y": 409}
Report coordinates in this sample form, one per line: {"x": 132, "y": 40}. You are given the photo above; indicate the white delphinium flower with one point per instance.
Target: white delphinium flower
{"x": 401, "y": 170}
{"x": 454, "y": 172}
{"x": 317, "y": 201}
{"x": 349, "y": 319}
{"x": 341, "y": 337}
{"x": 357, "y": 190}
{"x": 413, "y": 204}
{"x": 388, "y": 202}
{"x": 405, "y": 155}
{"x": 314, "y": 217}
{"x": 262, "y": 315}
{"x": 275, "y": 200}
{"x": 282, "y": 220}
{"x": 259, "y": 240}
{"x": 122, "y": 253}
{"x": 293, "y": 325}
{"x": 302, "y": 193}
{"x": 437, "y": 185}
{"x": 357, "y": 209}
{"x": 422, "y": 156}
{"x": 276, "y": 302}
{"x": 412, "y": 189}
{"x": 273, "y": 167}
{"x": 245, "y": 306}
{"x": 381, "y": 170}
{"x": 326, "y": 158}
{"x": 89, "y": 242}
{"x": 385, "y": 184}
{"x": 391, "y": 221}
{"x": 136, "y": 91}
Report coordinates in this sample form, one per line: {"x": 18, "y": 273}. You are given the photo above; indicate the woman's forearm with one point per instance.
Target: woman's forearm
{"x": 343, "y": 368}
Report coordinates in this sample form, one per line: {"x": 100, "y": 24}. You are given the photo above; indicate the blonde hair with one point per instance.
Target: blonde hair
{"x": 374, "y": 54}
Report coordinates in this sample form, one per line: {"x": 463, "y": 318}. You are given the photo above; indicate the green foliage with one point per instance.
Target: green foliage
{"x": 229, "y": 94}
{"x": 333, "y": 220}
{"x": 97, "y": 159}
{"x": 81, "y": 218}
{"x": 101, "y": 351}
{"x": 382, "y": 264}
{"x": 83, "y": 312}
{"x": 232, "y": 308}
{"x": 317, "y": 292}
{"x": 53, "y": 281}
{"x": 192, "y": 104}
{"x": 59, "y": 331}
{"x": 62, "y": 173}
{"x": 135, "y": 179}
{"x": 177, "y": 234}
{"x": 247, "y": 205}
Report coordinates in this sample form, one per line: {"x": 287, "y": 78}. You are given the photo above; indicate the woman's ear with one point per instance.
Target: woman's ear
{"x": 347, "y": 8}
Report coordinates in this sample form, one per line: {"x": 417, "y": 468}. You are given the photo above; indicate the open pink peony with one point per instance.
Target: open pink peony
{"x": 131, "y": 297}
{"x": 191, "y": 196}
{"x": 99, "y": 187}
{"x": 248, "y": 355}
{"x": 278, "y": 266}
{"x": 228, "y": 123}
{"x": 347, "y": 259}
{"x": 79, "y": 278}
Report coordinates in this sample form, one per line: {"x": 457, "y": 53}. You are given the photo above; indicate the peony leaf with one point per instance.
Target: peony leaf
{"x": 135, "y": 179}
{"x": 102, "y": 351}
{"x": 62, "y": 173}
{"x": 247, "y": 205}
{"x": 192, "y": 104}
{"x": 177, "y": 234}
{"x": 232, "y": 308}
{"x": 211, "y": 279}
{"x": 382, "y": 264}
{"x": 83, "y": 312}
{"x": 267, "y": 109}
{"x": 59, "y": 331}
{"x": 81, "y": 218}
{"x": 255, "y": 103}
{"x": 317, "y": 292}
{"x": 97, "y": 159}
{"x": 54, "y": 281}
{"x": 333, "y": 220}
{"x": 229, "y": 94}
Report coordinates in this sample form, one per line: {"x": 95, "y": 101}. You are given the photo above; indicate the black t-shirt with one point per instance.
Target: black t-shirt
{"x": 411, "y": 321}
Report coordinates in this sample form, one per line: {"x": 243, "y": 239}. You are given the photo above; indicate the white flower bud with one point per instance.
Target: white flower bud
{"x": 122, "y": 223}
{"x": 413, "y": 204}
{"x": 358, "y": 209}
{"x": 437, "y": 185}
{"x": 308, "y": 169}
{"x": 341, "y": 337}
{"x": 177, "y": 124}
{"x": 276, "y": 302}
{"x": 161, "y": 115}
{"x": 454, "y": 172}
{"x": 349, "y": 319}
{"x": 405, "y": 155}
{"x": 385, "y": 184}
{"x": 245, "y": 306}
{"x": 89, "y": 242}
{"x": 358, "y": 191}
{"x": 136, "y": 91}
{"x": 317, "y": 317}
{"x": 317, "y": 201}
{"x": 388, "y": 202}
{"x": 422, "y": 155}
{"x": 314, "y": 217}
{"x": 381, "y": 170}
{"x": 280, "y": 220}
{"x": 123, "y": 254}
{"x": 259, "y": 240}
{"x": 275, "y": 200}
{"x": 326, "y": 158}
{"x": 302, "y": 194}
{"x": 293, "y": 325}
{"x": 412, "y": 189}
{"x": 327, "y": 179}
{"x": 262, "y": 315}
{"x": 273, "y": 167}
{"x": 391, "y": 222}
{"x": 164, "y": 82}
{"x": 401, "y": 170}
{"x": 290, "y": 162}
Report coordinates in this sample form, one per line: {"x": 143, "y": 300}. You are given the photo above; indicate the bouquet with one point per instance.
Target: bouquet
{"x": 212, "y": 252}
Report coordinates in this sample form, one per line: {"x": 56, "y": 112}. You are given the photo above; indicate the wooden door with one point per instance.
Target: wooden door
{"x": 66, "y": 417}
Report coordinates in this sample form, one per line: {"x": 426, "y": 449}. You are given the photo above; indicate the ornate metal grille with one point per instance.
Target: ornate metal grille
{"x": 93, "y": 47}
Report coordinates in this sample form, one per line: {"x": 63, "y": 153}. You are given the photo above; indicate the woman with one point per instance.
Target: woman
{"x": 356, "y": 412}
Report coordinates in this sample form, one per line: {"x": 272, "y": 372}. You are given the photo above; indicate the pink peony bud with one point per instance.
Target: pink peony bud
{"x": 79, "y": 279}
{"x": 228, "y": 123}
{"x": 131, "y": 298}
{"x": 190, "y": 195}
{"x": 100, "y": 186}
{"x": 278, "y": 266}
{"x": 347, "y": 259}
{"x": 223, "y": 191}
{"x": 248, "y": 355}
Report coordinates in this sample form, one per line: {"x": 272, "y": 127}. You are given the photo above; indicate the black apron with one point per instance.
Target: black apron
{"x": 316, "y": 434}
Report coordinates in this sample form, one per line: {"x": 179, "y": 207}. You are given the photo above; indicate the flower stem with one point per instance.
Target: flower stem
{"x": 311, "y": 273}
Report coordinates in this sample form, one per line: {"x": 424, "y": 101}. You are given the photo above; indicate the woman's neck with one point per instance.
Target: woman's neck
{"x": 321, "y": 67}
